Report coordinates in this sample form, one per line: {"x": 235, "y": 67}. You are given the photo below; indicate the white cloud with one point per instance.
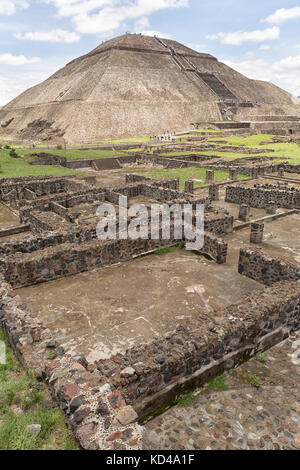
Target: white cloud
{"x": 9, "y": 7}
{"x": 265, "y": 47}
{"x": 142, "y": 23}
{"x": 197, "y": 47}
{"x": 141, "y": 26}
{"x": 12, "y": 83}
{"x": 9, "y": 59}
{"x": 56, "y": 35}
{"x": 103, "y": 16}
{"x": 149, "y": 32}
{"x": 282, "y": 15}
{"x": 284, "y": 73}
{"x": 239, "y": 37}
{"x": 250, "y": 55}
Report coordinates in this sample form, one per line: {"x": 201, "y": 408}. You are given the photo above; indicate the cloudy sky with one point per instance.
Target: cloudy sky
{"x": 260, "y": 38}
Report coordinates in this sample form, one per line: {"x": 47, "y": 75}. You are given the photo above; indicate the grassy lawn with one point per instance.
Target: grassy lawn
{"x": 17, "y": 167}
{"x": 127, "y": 140}
{"x": 178, "y": 154}
{"x": 69, "y": 153}
{"x": 213, "y": 131}
{"x": 282, "y": 150}
{"x": 80, "y": 154}
{"x": 119, "y": 141}
{"x": 24, "y": 401}
{"x": 187, "y": 173}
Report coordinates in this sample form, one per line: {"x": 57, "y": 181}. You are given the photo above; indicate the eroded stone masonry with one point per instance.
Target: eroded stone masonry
{"x": 114, "y": 357}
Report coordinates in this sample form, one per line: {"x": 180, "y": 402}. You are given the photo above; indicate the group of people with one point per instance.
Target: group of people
{"x": 167, "y": 136}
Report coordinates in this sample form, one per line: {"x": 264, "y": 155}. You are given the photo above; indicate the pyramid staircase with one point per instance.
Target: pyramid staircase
{"x": 208, "y": 78}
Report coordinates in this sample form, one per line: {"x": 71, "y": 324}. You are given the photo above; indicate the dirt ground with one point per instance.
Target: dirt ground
{"x": 102, "y": 312}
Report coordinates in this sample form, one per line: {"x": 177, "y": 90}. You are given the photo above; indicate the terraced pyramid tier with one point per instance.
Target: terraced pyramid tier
{"x": 135, "y": 85}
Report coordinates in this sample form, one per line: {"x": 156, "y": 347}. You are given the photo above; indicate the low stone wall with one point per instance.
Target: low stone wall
{"x": 216, "y": 224}
{"x": 204, "y": 350}
{"x": 68, "y": 199}
{"x": 160, "y": 194}
{"x": 48, "y": 159}
{"x": 169, "y": 183}
{"x": 276, "y": 127}
{"x": 13, "y": 231}
{"x": 215, "y": 247}
{"x": 41, "y": 186}
{"x": 265, "y": 269}
{"x": 106, "y": 164}
{"x": 167, "y": 195}
{"x": 292, "y": 168}
{"x": 41, "y": 222}
{"x": 219, "y": 223}
{"x": 31, "y": 267}
{"x": 260, "y": 197}
{"x": 77, "y": 164}
{"x": 39, "y": 241}
{"x": 206, "y": 147}
{"x": 103, "y": 400}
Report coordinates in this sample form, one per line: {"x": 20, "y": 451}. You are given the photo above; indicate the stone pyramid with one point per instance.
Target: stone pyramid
{"x": 135, "y": 85}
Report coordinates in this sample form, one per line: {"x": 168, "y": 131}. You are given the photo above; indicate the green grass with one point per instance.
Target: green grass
{"x": 283, "y": 151}
{"x": 17, "y": 167}
{"x": 213, "y": 131}
{"x": 70, "y": 154}
{"x": 261, "y": 357}
{"x": 18, "y": 388}
{"x": 254, "y": 380}
{"x": 74, "y": 154}
{"x": 179, "y": 154}
{"x": 187, "y": 173}
{"x": 218, "y": 383}
{"x": 186, "y": 400}
{"x": 169, "y": 249}
{"x": 126, "y": 140}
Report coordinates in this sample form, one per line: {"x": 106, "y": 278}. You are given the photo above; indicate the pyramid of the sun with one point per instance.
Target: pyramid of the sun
{"x": 135, "y": 85}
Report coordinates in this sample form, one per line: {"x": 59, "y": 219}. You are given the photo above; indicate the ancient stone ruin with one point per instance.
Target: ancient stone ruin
{"x": 124, "y": 334}
{"x": 142, "y": 85}
{"x": 120, "y": 328}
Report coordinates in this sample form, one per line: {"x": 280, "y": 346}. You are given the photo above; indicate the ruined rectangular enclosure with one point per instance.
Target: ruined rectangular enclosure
{"x": 117, "y": 334}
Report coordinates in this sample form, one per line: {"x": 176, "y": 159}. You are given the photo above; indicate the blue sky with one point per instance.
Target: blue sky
{"x": 259, "y": 38}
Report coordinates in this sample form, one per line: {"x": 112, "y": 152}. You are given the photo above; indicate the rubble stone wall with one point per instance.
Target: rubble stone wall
{"x": 259, "y": 197}
{"x": 265, "y": 269}
{"x": 31, "y": 267}
{"x": 170, "y": 183}
{"x": 40, "y": 186}
{"x": 102, "y": 401}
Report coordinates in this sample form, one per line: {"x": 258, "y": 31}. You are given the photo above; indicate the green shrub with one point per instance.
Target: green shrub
{"x": 13, "y": 154}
